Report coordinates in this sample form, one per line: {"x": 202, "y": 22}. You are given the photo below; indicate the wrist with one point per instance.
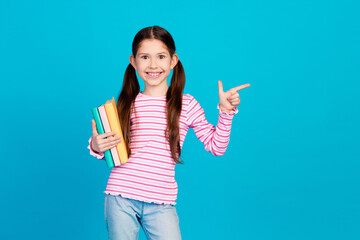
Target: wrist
{"x": 93, "y": 148}
{"x": 225, "y": 109}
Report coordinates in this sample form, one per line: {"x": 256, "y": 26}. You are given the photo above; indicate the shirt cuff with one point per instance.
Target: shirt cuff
{"x": 93, "y": 153}
{"x": 231, "y": 113}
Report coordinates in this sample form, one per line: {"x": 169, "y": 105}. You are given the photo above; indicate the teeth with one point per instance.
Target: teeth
{"x": 154, "y": 74}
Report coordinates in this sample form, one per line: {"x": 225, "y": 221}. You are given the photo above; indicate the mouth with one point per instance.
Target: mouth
{"x": 153, "y": 74}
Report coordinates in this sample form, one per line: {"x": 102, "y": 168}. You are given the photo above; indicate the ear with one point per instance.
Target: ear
{"x": 174, "y": 60}
{"x": 132, "y": 61}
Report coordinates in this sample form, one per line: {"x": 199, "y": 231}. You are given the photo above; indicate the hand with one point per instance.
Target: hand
{"x": 103, "y": 142}
{"x": 231, "y": 98}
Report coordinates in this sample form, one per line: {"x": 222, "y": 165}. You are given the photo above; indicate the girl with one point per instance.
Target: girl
{"x": 155, "y": 122}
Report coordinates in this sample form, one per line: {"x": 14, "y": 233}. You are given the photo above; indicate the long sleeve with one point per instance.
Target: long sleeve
{"x": 93, "y": 153}
{"x": 149, "y": 174}
{"x": 215, "y": 140}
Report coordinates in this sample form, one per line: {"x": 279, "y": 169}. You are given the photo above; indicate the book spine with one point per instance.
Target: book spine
{"x": 106, "y": 125}
{"x": 100, "y": 129}
{"x": 112, "y": 114}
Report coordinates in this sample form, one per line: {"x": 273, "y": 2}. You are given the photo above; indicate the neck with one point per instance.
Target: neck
{"x": 156, "y": 92}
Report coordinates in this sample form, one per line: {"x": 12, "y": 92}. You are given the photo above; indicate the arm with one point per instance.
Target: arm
{"x": 216, "y": 139}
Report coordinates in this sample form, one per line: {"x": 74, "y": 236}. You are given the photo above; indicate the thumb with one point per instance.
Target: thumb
{"x": 94, "y": 131}
{"x": 221, "y": 90}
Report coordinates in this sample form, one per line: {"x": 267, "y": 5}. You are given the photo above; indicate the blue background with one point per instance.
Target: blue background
{"x": 291, "y": 170}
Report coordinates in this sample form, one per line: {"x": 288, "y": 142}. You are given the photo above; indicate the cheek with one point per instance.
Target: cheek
{"x": 141, "y": 68}
{"x": 168, "y": 66}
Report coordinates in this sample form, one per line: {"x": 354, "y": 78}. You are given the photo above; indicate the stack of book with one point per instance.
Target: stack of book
{"x": 107, "y": 120}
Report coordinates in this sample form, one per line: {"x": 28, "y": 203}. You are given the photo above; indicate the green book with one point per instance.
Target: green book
{"x": 108, "y": 158}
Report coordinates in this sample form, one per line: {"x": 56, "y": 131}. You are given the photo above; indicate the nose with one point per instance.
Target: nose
{"x": 153, "y": 63}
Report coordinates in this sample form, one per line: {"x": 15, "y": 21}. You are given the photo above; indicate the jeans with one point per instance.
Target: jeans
{"x": 123, "y": 217}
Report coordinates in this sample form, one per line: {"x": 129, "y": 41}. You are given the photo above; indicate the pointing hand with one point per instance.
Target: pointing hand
{"x": 231, "y": 98}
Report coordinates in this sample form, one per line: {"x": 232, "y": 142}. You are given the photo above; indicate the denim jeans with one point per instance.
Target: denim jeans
{"x": 123, "y": 217}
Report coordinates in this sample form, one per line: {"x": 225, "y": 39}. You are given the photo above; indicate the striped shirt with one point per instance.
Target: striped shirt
{"x": 149, "y": 174}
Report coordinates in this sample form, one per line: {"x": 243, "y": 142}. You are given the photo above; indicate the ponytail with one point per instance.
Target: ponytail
{"x": 130, "y": 90}
{"x": 173, "y": 107}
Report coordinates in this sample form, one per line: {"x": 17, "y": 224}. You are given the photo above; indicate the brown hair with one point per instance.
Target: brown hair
{"x": 131, "y": 88}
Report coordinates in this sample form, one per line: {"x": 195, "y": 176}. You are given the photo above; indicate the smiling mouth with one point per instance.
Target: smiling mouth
{"x": 153, "y": 74}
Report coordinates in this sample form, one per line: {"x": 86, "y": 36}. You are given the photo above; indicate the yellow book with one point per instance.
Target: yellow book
{"x": 112, "y": 114}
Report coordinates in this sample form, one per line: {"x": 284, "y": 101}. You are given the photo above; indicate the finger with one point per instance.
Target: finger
{"x": 220, "y": 85}
{"x": 93, "y": 125}
{"x": 235, "y": 102}
{"x": 234, "y": 96}
{"x": 107, "y": 144}
{"x": 113, "y": 140}
{"x": 108, "y": 139}
{"x": 107, "y": 148}
{"x": 108, "y": 134}
{"x": 240, "y": 87}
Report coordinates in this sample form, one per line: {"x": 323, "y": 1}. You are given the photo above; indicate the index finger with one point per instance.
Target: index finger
{"x": 108, "y": 134}
{"x": 241, "y": 87}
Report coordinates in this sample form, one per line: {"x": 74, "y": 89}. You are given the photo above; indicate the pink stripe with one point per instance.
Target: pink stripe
{"x": 202, "y": 124}
{"x": 150, "y": 111}
{"x": 224, "y": 116}
{"x": 151, "y": 100}
{"x": 224, "y": 130}
{"x": 197, "y": 133}
{"x": 217, "y": 145}
{"x": 227, "y": 125}
{"x": 217, "y": 152}
{"x": 148, "y": 135}
{"x": 160, "y": 193}
{"x": 137, "y": 163}
{"x": 168, "y": 156}
{"x": 192, "y": 106}
{"x": 156, "y": 129}
{"x": 198, "y": 129}
{"x": 156, "y": 117}
{"x": 151, "y": 135}
{"x": 156, "y": 147}
{"x": 143, "y": 98}
{"x": 167, "y": 200}
{"x": 157, "y": 123}
{"x": 150, "y": 104}
{"x": 135, "y": 169}
{"x": 122, "y": 173}
{"x": 145, "y": 141}
{"x": 172, "y": 163}
{"x": 211, "y": 136}
{"x": 198, "y": 116}
{"x": 154, "y": 123}
{"x": 141, "y": 183}
{"x": 225, "y": 120}
{"x": 144, "y": 129}
{"x": 217, "y": 140}
{"x": 224, "y": 136}
{"x": 134, "y": 122}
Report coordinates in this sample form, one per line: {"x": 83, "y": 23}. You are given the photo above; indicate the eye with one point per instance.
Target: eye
{"x": 144, "y": 57}
{"x": 162, "y": 56}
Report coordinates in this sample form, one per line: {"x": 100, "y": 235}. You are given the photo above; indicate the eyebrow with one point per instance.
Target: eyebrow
{"x": 149, "y": 53}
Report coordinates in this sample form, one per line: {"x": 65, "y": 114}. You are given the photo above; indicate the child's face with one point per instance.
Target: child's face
{"x": 153, "y": 62}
